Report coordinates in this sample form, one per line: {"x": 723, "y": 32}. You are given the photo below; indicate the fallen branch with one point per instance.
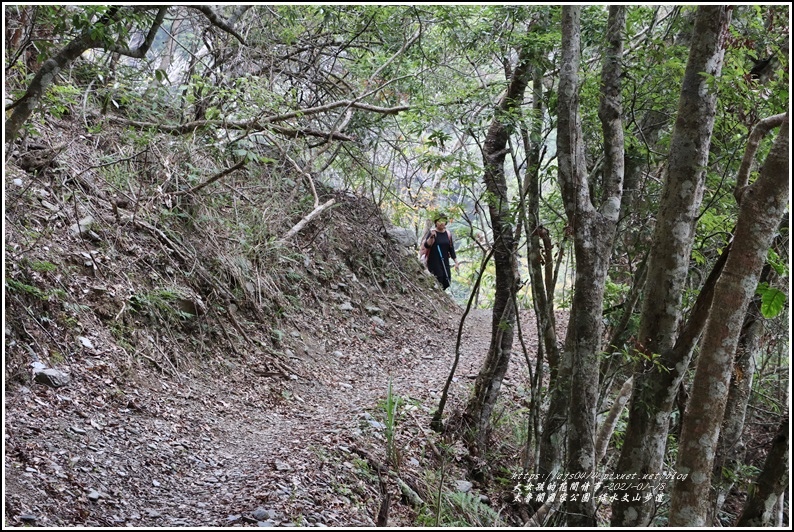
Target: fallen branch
{"x": 410, "y": 495}
{"x": 212, "y": 179}
{"x": 408, "y": 492}
{"x": 306, "y": 219}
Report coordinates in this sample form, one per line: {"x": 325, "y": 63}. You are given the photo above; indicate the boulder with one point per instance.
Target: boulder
{"x": 51, "y": 377}
{"x": 401, "y": 235}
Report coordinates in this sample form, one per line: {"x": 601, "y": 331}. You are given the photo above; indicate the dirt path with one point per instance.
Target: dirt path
{"x": 241, "y": 450}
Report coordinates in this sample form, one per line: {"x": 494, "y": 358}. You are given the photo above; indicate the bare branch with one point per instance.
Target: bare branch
{"x": 306, "y": 219}
{"x": 340, "y": 103}
{"x": 407, "y": 44}
{"x": 212, "y": 179}
{"x": 217, "y": 21}
{"x": 759, "y": 131}
{"x": 254, "y": 126}
{"x": 143, "y": 49}
{"x": 258, "y": 123}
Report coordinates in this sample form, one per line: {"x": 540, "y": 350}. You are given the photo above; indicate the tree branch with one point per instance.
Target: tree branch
{"x": 212, "y": 179}
{"x": 334, "y": 105}
{"x": 217, "y": 21}
{"x": 238, "y": 125}
{"x": 306, "y": 219}
{"x": 143, "y": 49}
{"x": 759, "y": 132}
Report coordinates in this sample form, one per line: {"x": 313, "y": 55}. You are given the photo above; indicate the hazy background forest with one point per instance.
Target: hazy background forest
{"x": 624, "y": 169}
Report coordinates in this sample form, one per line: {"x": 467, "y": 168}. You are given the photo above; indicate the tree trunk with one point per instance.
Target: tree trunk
{"x": 42, "y": 80}
{"x": 654, "y": 390}
{"x": 540, "y": 260}
{"x": 489, "y": 380}
{"x": 593, "y": 231}
{"x": 763, "y": 204}
{"x": 611, "y": 421}
{"x": 771, "y": 483}
{"x": 50, "y": 69}
{"x": 730, "y": 449}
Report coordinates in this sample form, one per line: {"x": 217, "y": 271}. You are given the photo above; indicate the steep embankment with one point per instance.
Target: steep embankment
{"x": 199, "y": 372}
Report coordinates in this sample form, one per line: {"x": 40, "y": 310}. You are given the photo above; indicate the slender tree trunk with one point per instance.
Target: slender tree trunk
{"x": 489, "y": 380}
{"x": 42, "y": 80}
{"x": 654, "y": 390}
{"x": 731, "y": 450}
{"x": 539, "y": 255}
{"x": 594, "y": 231}
{"x": 763, "y": 204}
{"x": 611, "y": 421}
{"x": 771, "y": 483}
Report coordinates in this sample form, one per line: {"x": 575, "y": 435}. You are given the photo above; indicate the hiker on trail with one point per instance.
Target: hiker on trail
{"x": 439, "y": 248}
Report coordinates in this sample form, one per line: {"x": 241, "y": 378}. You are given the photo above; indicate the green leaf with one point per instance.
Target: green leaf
{"x": 775, "y": 262}
{"x": 772, "y": 301}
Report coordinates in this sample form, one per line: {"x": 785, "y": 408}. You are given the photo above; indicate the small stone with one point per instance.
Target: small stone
{"x": 78, "y": 430}
{"x": 266, "y": 523}
{"x": 51, "y": 377}
{"x": 50, "y": 206}
{"x": 28, "y": 518}
{"x": 94, "y": 495}
{"x": 82, "y": 227}
{"x": 347, "y": 306}
{"x": 86, "y": 342}
{"x": 463, "y": 486}
{"x": 261, "y": 514}
{"x": 282, "y": 466}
